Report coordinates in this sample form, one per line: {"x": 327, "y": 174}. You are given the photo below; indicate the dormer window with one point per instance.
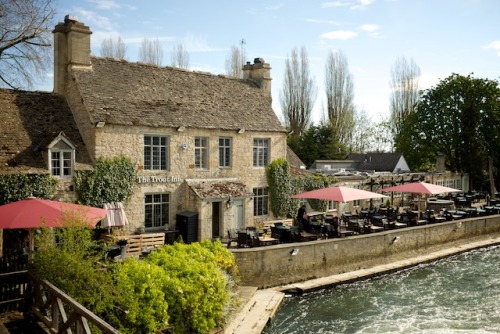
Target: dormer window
{"x": 61, "y": 157}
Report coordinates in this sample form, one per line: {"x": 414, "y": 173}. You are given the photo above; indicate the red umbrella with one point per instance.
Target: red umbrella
{"x": 420, "y": 188}
{"x": 339, "y": 194}
{"x": 34, "y": 212}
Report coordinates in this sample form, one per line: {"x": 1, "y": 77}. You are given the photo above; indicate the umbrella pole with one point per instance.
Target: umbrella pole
{"x": 31, "y": 243}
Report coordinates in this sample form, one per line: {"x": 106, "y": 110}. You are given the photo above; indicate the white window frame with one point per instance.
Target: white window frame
{"x": 160, "y": 149}
{"x": 62, "y": 162}
{"x": 158, "y": 208}
{"x": 201, "y": 145}
{"x": 225, "y": 150}
{"x": 261, "y": 152}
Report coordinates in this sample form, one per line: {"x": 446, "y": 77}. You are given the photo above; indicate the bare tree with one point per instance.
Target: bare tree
{"x": 180, "y": 56}
{"x": 236, "y": 60}
{"x": 339, "y": 95}
{"x": 404, "y": 97}
{"x": 113, "y": 48}
{"x": 151, "y": 52}
{"x": 25, "y": 41}
{"x": 298, "y": 94}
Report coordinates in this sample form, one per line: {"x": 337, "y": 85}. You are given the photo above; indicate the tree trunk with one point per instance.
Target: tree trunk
{"x": 490, "y": 175}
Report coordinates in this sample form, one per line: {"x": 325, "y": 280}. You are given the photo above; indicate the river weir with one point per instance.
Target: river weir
{"x": 458, "y": 294}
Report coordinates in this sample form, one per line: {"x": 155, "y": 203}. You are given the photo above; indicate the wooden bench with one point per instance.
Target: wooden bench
{"x": 138, "y": 243}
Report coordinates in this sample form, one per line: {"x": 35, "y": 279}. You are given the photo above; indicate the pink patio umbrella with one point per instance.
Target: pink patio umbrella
{"x": 339, "y": 194}
{"x": 32, "y": 213}
{"x": 420, "y": 188}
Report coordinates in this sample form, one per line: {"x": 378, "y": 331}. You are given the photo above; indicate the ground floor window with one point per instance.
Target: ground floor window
{"x": 156, "y": 210}
{"x": 260, "y": 202}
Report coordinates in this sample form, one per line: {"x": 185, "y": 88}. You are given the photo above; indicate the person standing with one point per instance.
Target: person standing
{"x": 303, "y": 218}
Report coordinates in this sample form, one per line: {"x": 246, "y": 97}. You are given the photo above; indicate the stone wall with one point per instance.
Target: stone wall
{"x": 129, "y": 141}
{"x": 275, "y": 265}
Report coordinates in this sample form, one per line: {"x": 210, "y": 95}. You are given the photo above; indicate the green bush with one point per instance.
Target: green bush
{"x": 197, "y": 291}
{"x": 142, "y": 304}
{"x": 188, "y": 287}
{"x": 67, "y": 257}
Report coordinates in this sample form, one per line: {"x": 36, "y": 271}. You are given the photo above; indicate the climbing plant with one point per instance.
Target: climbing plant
{"x": 111, "y": 180}
{"x": 282, "y": 185}
{"x": 14, "y": 187}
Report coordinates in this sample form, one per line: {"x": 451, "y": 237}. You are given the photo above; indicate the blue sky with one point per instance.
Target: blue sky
{"x": 441, "y": 36}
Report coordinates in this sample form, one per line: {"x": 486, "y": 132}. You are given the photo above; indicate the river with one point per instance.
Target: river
{"x": 459, "y": 294}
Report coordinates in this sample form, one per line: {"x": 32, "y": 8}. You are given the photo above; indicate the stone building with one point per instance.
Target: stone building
{"x": 200, "y": 142}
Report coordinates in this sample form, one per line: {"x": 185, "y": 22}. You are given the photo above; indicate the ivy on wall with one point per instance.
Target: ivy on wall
{"x": 111, "y": 180}
{"x": 15, "y": 187}
{"x": 283, "y": 185}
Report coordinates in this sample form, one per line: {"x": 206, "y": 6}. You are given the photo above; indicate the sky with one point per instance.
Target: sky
{"x": 441, "y": 36}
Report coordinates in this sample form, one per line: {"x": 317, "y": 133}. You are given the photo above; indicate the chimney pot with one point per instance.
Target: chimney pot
{"x": 70, "y": 18}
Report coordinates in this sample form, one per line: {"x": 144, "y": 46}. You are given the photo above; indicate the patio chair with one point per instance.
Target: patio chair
{"x": 243, "y": 239}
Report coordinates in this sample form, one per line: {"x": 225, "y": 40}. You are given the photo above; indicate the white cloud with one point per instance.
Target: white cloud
{"x": 105, "y": 4}
{"x": 370, "y": 27}
{"x": 339, "y": 34}
{"x": 353, "y": 4}
{"x": 336, "y": 4}
{"x": 330, "y": 22}
{"x": 494, "y": 45}
{"x": 361, "y": 4}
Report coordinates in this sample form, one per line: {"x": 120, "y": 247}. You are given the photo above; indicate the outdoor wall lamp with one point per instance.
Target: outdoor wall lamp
{"x": 240, "y": 131}
{"x": 294, "y": 251}
{"x": 100, "y": 124}
{"x": 229, "y": 202}
{"x": 394, "y": 240}
{"x": 181, "y": 128}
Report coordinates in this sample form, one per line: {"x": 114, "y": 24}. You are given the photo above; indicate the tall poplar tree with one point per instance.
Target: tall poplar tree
{"x": 298, "y": 93}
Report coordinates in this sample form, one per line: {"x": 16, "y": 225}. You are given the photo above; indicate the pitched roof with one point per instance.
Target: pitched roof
{"x": 29, "y": 121}
{"x": 123, "y": 93}
{"x": 379, "y": 162}
{"x": 218, "y": 188}
{"x": 293, "y": 159}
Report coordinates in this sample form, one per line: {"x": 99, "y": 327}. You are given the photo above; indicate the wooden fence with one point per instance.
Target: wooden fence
{"x": 138, "y": 244}
{"x": 62, "y": 314}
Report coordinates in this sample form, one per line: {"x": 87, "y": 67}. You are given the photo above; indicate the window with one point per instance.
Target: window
{"x": 201, "y": 152}
{"x": 332, "y": 205}
{"x": 61, "y": 156}
{"x": 224, "y": 152}
{"x": 61, "y": 162}
{"x": 260, "y": 200}
{"x": 156, "y": 210}
{"x": 155, "y": 152}
{"x": 260, "y": 152}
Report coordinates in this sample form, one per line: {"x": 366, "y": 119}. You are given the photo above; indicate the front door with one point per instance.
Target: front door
{"x": 239, "y": 214}
{"x": 216, "y": 220}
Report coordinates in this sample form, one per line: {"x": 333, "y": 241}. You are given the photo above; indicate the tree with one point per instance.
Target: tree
{"x": 339, "y": 95}
{"x": 25, "y": 41}
{"x": 318, "y": 142}
{"x": 236, "y": 60}
{"x": 404, "y": 96}
{"x": 456, "y": 118}
{"x": 113, "y": 48}
{"x": 298, "y": 94}
{"x": 151, "y": 52}
{"x": 180, "y": 56}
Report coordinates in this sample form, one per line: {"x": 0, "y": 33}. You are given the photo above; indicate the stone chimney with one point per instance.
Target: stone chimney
{"x": 260, "y": 72}
{"x": 440, "y": 163}
{"x": 71, "y": 48}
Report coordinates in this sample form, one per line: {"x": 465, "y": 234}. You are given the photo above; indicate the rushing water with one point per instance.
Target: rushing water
{"x": 460, "y": 294}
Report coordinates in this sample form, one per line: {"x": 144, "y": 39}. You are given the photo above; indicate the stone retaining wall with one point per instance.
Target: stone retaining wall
{"x": 266, "y": 267}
